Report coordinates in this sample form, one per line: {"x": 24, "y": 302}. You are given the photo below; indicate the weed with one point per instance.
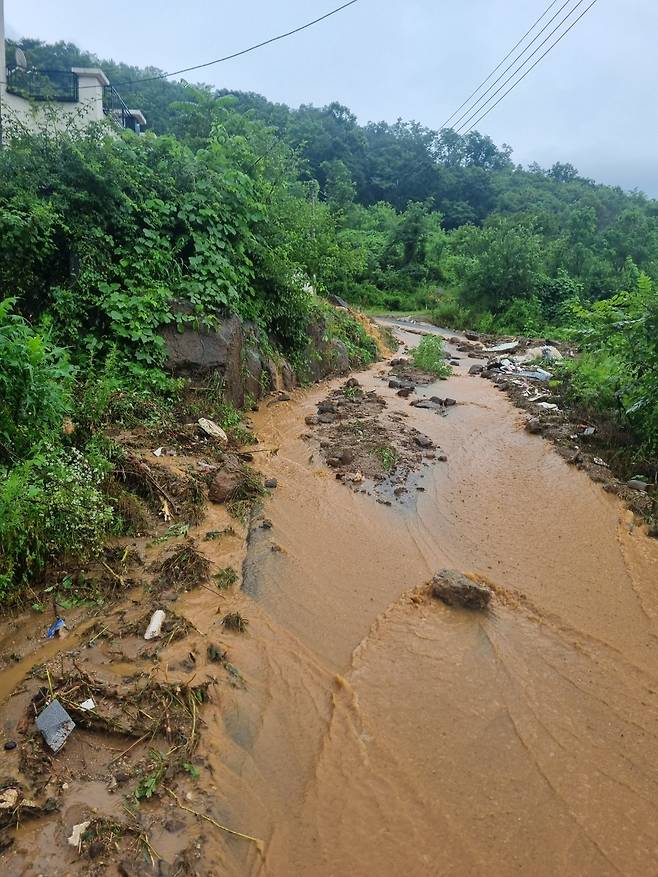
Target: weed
{"x": 235, "y": 621}
{"x": 245, "y": 495}
{"x": 184, "y": 567}
{"x": 429, "y": 356}
{"x": 388, "y": 457}
{"x": 225, "y": 578}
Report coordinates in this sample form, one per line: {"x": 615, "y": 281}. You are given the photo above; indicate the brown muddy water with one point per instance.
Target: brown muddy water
{"x": 382, "y": 734}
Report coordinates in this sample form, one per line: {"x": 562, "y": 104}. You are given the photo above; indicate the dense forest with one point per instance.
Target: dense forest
{"x": 240, "y": 205}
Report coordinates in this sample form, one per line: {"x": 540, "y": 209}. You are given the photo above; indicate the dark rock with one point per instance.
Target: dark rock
{"x": 96, "y": 849}
{"x": 448, "y": 402}
{"x": 427, "y": 404}
{"x": 198, "y": 351}
{"x": 456, "y": 590}
{"x": 347, "y": 456}
{"x": 472, "y": 336}
{"x": 352, "y": 382}
{"x": 423, "y": 441}
{"x": 266, "y": 524}
{"x": 442, "y": 458}
{"x": 534, "y": 425}
{"x": 327, "y": 407}
{"x": 271, "y": 483}
{"x": 327, "y": 418}
{"x": 311, "y": 420}
{"x": 337, "y": 301}
{"x": 222, "y": 486}
{"x": 334, "y": 462}
{"x": 476, "y": 370}
{"x": 252, "y": 371}
{"x": 636, "y": 484}
{"x": 9, "y": 745}
{"x": 405, "y": 392}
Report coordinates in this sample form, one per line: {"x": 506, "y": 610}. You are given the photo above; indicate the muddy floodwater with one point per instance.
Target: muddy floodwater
{"x": 372, "y": 731}
{"x": 383, "y": 734}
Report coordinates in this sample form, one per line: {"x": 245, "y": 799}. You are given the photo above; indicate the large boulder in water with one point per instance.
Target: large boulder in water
{"x": 456, "y": 590}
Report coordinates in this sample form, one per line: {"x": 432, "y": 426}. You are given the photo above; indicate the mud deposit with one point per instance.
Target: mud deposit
{"x": 365, "y": 728}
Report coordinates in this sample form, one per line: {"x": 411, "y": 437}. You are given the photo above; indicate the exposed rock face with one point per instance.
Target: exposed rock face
{"x": 231, "y": 354}
{"x": 201, "y": 351}
{"x": 456, "y": 590}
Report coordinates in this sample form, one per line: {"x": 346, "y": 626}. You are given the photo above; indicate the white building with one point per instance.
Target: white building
{"x": 65, "y": 98}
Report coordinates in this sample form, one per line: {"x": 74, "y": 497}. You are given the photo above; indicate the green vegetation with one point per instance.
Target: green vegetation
{"x": 430, "y": 356}
{"x": 241, "y": 206}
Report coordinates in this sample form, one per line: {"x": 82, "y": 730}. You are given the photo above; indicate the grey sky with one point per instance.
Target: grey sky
{"x": 588, "y": 102}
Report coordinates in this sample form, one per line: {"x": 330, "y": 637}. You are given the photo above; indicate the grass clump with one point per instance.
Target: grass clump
{"x": 236, "y": 622}
{"x": 184, "y": 567}
{"x": 387, "y": 456}
{"x": 429, "y": 356}
{"x": 226, "y": 578}
{"x": 246, "y": 495}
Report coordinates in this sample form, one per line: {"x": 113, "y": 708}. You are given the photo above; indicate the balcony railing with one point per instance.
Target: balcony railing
{"x": 116, "y": 109}
{"x": 44, "y": 85}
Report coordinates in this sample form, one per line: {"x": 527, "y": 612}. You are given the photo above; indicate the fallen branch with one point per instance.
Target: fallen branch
{"x": 259, "y": 843}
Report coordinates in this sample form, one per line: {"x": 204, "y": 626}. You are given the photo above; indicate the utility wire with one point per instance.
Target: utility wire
{"x": 456, "y": 126}
{"x": 550, "y": 48}
{"x": 520, "y": 67}
{"x": 496, "y": 69}
{"x": 283, "y": 36}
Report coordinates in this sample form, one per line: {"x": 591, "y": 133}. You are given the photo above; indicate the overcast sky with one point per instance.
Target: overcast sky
{"x": 589, "y": 102}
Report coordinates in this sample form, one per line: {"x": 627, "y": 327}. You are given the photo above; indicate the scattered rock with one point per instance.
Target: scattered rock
{"x": 271, "y": 483}
{"x": 534, "y": 425}
{"x": 210, "y": 428}
{"x": 476, "y": 370}
{"x": 636, "y": 484}
{"x": 9, "y": 745}
{"x": 352, "y": 382}
{"x": 327, "y": 407}
{"x": 222, "y": 486}
{"x": 312, "y": 420}
{"x": 454, "y": 589}
{"x": 266, "y": 524}
{"x": 405, "y": 392}
{"x": 423, "y": 441}
{"x": 472, "y": 336}
{"x": 327, "y": 418}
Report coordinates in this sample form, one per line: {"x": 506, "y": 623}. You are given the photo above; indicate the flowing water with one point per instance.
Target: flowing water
{"x": 385, "y": 734}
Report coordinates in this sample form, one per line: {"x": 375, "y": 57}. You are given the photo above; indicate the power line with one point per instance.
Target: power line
{"x": 457, "y": 124}
{"x": 496, "y": 69}
{"x": 550, "y": 48}
{"x": 522, "y": 65}
{"x": 246, "y": 51}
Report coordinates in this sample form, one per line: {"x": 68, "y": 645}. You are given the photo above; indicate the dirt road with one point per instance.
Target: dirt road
{"x": 379, "y": 732}
{"x": 386, "y": 736}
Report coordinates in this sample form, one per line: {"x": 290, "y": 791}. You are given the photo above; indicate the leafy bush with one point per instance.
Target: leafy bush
{"x": 429, "y": 356}
{"x": 35, "y": 382}
{"x": 50, "y": 505}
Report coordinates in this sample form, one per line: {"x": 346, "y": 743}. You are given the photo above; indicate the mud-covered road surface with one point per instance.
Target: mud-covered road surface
{"x": 380, "y": 732}
{"x": 385, "y": 734}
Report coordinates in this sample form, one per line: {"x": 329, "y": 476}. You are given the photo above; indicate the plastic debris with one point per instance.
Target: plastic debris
{"x": 210, "y": 428}
{"x": 158, "y": 452}
{"x": 506, "y": 347}
{"x": 57, "y": 628}
{"x": 155, "y": 625}
{"x": 88, "y": 705}
{"x": 600, "y": 462}
{"x": 9, "y": 799}
{"x": 548, "y": 406}
{"x": 9, "y": 745}
{"x": 76, "y": 835}
{"x": 55, "y": 725}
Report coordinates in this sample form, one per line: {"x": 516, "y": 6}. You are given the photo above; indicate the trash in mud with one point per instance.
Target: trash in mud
{"x": 235, "y": 621}
{"x": 600, "y": 462}
{"x": 9, "y": 745}
{"x": 155, "y": 625}
{"x": 213, "y": 430}
{"x": 55, "y": 725}
{"x": 57, "y": 629}
{"x": 88, "y": 704}
{"x": 505, "y": 347}
{"x": 454, "y": 589}
{"x": 548, "y": 406}
{"x": 637, "y": 484}
{"x": 75, "y": 839}
{"x": 158, "y": 452}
